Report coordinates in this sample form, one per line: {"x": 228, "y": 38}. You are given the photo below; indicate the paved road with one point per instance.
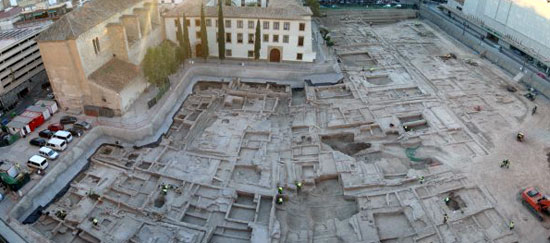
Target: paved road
{"x": 7, "y": 233}
{"x": 467, "y": 29}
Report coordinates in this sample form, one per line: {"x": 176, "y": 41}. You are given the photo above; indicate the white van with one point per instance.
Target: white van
{"x": 64, "y": 135}
{"x": 38, "y": 162}
{"x": 56, "y": 144}
{"x": 48, "y": 153}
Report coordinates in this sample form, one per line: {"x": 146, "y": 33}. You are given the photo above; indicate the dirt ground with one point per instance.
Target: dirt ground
{"x": 407, "y": 148}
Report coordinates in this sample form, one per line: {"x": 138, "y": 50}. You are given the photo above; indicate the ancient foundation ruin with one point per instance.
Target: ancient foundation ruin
{"x": 376, "y": 155}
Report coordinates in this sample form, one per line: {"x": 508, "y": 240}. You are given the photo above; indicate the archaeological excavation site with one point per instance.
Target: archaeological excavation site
{"x": 405, "y": 147}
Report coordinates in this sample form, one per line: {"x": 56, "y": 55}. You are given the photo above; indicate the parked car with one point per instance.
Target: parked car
{"x": 56, "y": 127}
{"x": 38, "y": 162}
{"x": 83, "y": 125}
{"x": 542, "y": 75}
{"x": 46, "y": 133}
{"x": 48, "y": 153}
{"x": 38, "y": 142}
{"x": 75, "y": 131}
{"x": 57, "y": 144}
{"x": 63, "y": 135}
{"x": 67, "y": 120}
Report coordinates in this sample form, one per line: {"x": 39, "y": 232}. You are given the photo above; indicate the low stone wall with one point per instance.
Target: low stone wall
{"x": 500, "y": 59}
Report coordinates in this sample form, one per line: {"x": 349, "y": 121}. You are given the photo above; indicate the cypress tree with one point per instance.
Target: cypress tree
{"x": 186, "y": 43}
{"x": 179, "y": 36}
{"x": 257, "y": 41}
{"x": 221, "y": 32}
{"x": 315, "y": 7}
{"x": 204, "y": 36}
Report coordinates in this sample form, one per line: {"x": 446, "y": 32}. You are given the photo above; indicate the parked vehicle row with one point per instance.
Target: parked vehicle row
{"x": 58, "y": 139}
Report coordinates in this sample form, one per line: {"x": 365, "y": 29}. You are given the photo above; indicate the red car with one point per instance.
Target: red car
{"x": 55, "y": 127}
{"x": 542, "y": 76}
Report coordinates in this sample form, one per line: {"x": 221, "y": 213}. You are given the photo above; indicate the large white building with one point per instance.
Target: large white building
{"x": 523, "y": 24}
{"x": 285, "y": 28}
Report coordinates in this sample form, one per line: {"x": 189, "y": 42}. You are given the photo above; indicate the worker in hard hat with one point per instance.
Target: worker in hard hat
{"x": 95, "y": 221}
{"x": 520, "y": 136}
{"x": 280, "y": 200}
{"x": 280, "y": 189}
{"x": 298, "y": 186}
{"x": 505, "y": 163}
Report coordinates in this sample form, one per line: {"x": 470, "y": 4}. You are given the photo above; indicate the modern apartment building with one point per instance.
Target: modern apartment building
{"x": 285, "y": 28}
{"x": 20, "y": 60}
{"x": 521, "y": 25}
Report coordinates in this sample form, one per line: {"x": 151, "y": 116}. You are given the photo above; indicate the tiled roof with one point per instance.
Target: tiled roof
{"x": 115, "y": 74}
{"x": 277, "y": 9}
{"x": 80, "y": 20}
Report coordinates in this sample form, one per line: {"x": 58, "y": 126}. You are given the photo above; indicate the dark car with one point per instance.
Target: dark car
{"x": 83, "y": 125}
{"x": 77, "y": 132}
{"x": 46, "y": 133}
{"x": 38, "y": 142}
{"x": 56, "y": 127}
{"x": 67, "y": 120}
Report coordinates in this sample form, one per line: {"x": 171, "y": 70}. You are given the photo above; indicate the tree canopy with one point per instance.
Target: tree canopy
{"x": 186, "y": 51}
{"x": 159, "y": 62}
{"x": 315, "y": 7}
{"x": 204, "y": 35}
{"x": 257, "y": 41}
{"x": 221, "y": 32}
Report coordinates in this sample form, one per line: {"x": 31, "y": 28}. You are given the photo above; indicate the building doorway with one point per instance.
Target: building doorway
{"x": 275, "y": 55}
{"x": 198, "y": 50}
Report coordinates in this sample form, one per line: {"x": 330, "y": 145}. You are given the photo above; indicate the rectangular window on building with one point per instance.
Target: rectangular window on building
{"x": 286, "y": 26}
{"x": 188, "y": 22}
{"x": 217, "y": 37}
{"x": 276, "y": 25}
{"x": 175, "y": 22}
{"x": 299, "y": 56}
{"x": 250, "y": 38}
{"x": 239, "y": 24}
{"x": 227, "y": 23}
{"x": 266, "y": 38}
{"x": 302, "y": 26}
{"x": 216, "y": 23}
{"x": 240, "y": 38}
{"x": 266, "y": 25}
{"x": 300, "y": 41}
{"x": 227, "y": 37}
{"x": 275, "y": 38}
{"x": 250, "y": 53}
{"x": 228, "y": 53}
{"x": 208, "y": 22}
{"x": 198, "y": 35}
{"x": 243, "y": 3}
{"x": 285, "y": 38}
{"x": 197, "y": 22}
{"x": 95, "y": 47}
{"x": 95, "y": 42}
{"x": 251, "y": 24}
